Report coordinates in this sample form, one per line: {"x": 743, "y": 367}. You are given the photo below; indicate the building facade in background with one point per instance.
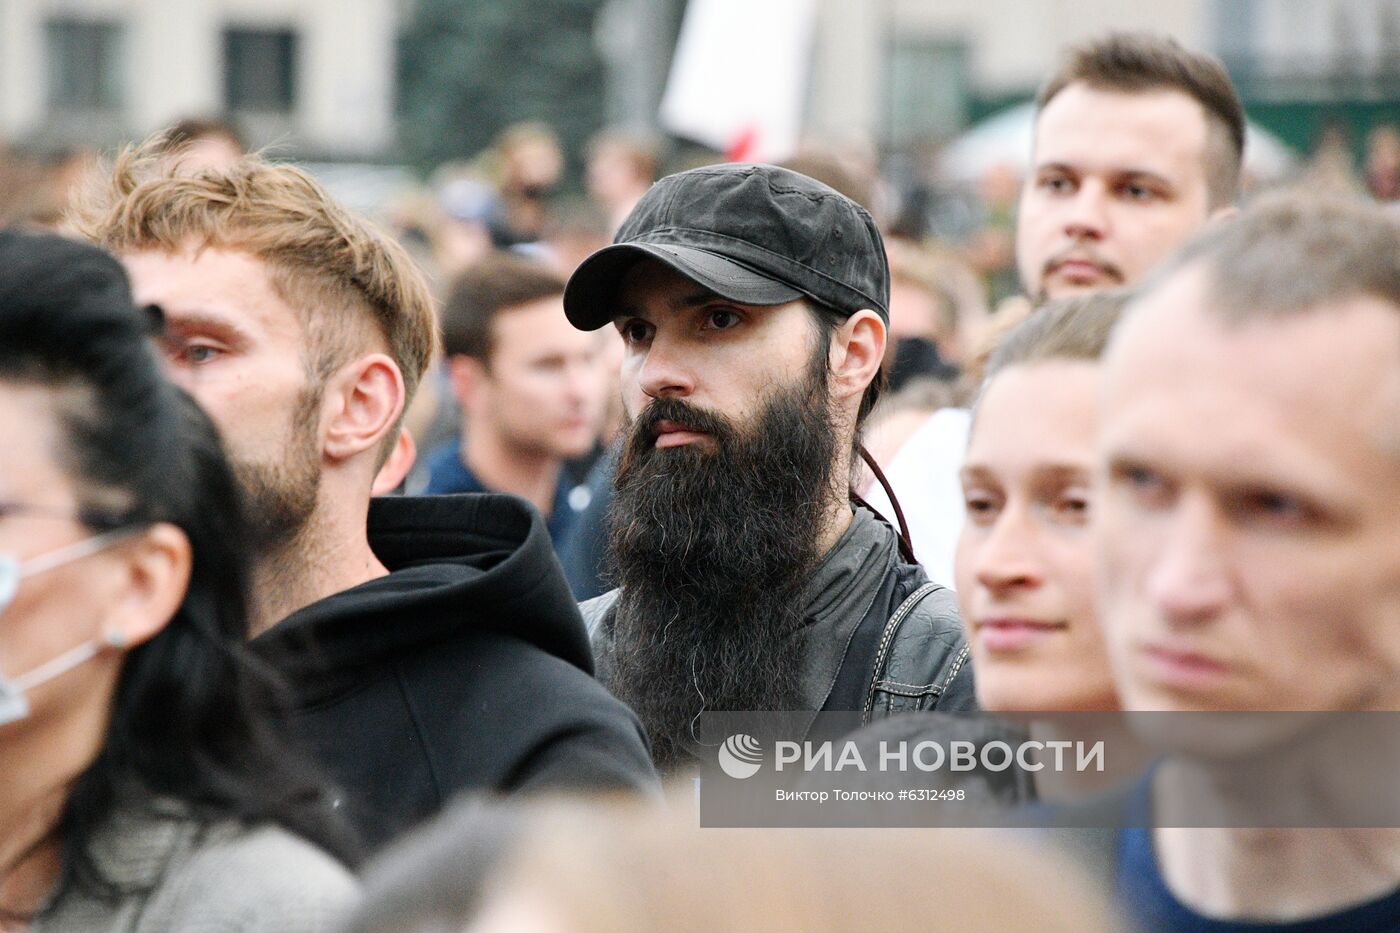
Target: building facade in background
{"x": 318, "y": 77}
{"x": 908, "y": 71}
{"x": 313, "y": 76}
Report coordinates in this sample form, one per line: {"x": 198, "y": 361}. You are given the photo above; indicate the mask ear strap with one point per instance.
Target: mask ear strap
{"x": 62, "y": 664}
{"x": 906, "y": 544}
{"x": 74, "y": 551}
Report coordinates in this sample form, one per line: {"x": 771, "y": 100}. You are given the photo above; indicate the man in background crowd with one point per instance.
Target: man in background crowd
{"x": 204, "y": 142}
{"x": 1138, "y": 142}
{"x": 529, "y": 385}
{"x": 753, "y": 302}
{"x": 432, "y": 643}
{"x": 526, "y": 163}
{"x": 620, "y": 167}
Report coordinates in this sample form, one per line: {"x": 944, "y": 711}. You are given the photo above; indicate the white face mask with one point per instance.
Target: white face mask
{"x": 13, "y": 703}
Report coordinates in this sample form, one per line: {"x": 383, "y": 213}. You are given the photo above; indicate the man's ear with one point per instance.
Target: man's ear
{"x": 363, "y": 403}
{"x": 857, "y": 350}
{"x": 155, "y": 574}
{"x": 396, "y": 467}
{"x": 468, "y": 378}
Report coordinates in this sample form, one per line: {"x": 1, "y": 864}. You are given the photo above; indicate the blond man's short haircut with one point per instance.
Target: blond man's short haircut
{"x": 351, "y": 284}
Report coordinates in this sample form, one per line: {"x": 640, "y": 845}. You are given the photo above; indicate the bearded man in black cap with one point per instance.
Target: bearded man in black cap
{"x": 753, "y": 302}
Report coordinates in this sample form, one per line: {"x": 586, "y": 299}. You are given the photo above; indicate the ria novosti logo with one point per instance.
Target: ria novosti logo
{"x": 740, "y": 756}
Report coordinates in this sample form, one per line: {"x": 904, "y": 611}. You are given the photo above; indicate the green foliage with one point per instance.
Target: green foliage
{"x": 470, "y": 68}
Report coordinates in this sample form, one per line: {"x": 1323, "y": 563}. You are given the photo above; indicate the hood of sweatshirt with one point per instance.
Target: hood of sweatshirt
{"x": 456, "y": 563}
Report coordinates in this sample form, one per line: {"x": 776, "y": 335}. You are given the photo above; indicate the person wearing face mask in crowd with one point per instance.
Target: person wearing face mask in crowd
{"x": 144, "y": 785}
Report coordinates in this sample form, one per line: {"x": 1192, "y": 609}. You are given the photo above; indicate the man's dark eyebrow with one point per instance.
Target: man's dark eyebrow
{"x": 693, "y": 300}
{"x": 1061, "y": 470}
{"x": 1140, "y": 174}
{"x": 1134, "y": 174}
{"x": 185, "y": 322}
{"x": 1119, "y": 462}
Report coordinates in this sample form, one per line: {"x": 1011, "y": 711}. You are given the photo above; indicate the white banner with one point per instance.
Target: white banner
{"x": 739, "y": 77}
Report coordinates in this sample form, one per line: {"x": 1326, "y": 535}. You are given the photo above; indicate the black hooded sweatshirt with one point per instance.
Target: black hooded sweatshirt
{"x": 466, "y": 668}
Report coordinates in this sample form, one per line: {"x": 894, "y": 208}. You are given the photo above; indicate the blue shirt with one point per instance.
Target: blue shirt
{"x": 448, "y": 474}
{"x": 1145, "y": 896}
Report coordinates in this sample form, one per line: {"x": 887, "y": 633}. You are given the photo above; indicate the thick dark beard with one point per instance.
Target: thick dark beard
{"x": 279, "y": 496}
{"x": 711, "y": 549}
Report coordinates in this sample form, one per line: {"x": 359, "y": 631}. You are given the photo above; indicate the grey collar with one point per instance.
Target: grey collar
{"x": 134, "y": 847}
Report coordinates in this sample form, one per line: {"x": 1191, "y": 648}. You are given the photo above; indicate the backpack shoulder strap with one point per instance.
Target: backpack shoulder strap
{"x": 887, "y": 640}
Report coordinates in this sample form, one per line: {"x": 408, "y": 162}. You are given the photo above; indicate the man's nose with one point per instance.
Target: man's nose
{"x": 1189, "y": 580}
{"x": 1087, "y": 215}
{"x": 665, "y": 372}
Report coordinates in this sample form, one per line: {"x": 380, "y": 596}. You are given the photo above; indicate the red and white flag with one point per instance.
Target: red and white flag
{"x": 739, "y": 77}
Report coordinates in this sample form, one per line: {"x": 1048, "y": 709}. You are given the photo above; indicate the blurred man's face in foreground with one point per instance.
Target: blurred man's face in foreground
{"x": 1250, "y": 521}
{"x": 1118, "y": 181}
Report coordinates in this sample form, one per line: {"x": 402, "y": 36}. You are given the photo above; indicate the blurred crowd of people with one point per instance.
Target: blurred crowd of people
{"x": 373, "y": 574}
{"x": 954, "y": 286}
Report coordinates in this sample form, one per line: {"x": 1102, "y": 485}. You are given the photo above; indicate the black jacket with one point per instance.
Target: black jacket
{"x": 466, "y": 668}
{"x": 908, "y": 653}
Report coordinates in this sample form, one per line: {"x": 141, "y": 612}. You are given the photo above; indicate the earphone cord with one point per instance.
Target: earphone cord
{"x": 906, "y": 544}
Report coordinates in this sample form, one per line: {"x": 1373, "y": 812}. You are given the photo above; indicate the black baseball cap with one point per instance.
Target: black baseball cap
{"x": 756, "y": 234}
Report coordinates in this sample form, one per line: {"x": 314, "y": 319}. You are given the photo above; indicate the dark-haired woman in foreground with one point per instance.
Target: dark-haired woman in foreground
{"x": 143, "y": 785}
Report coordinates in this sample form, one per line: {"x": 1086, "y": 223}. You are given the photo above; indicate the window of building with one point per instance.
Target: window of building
{"x": 927, "y": 88}
{"x": 260, "y": 72}
{"x": 84, "y": 64}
